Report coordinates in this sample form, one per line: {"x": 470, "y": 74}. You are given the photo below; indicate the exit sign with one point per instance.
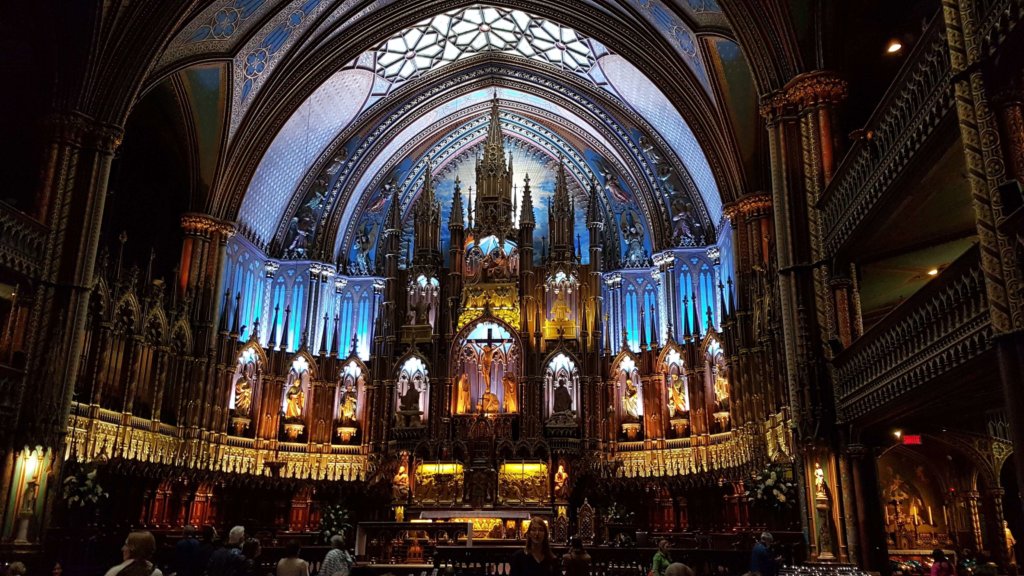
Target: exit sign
{"x": 912, "y": 439}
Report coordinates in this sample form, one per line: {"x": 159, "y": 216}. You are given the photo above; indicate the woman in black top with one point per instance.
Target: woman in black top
{"x": 536, "y": 559}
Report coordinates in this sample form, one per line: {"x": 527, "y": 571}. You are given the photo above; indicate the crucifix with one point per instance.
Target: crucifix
{"x": 487, "y": 349}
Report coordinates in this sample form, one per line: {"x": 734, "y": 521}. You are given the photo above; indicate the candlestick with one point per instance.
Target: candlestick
{"x": 930, "y": 523}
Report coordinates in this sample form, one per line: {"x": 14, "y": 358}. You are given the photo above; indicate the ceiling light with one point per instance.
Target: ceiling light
{"x": 894, "y": 46}
{"x": 897, "y": 433}
{"x": 933, "y": 271}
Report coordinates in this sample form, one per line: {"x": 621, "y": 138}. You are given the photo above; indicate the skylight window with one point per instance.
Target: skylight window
{"x": 449, "y": 37}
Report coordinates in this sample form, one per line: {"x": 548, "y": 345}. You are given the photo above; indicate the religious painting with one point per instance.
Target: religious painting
{"x": 561, "y": 383}
{"x": 523, "y": 483}
{"x": 912, "y": 498}
{"x": 486, "y": 370}
{"x": 635, "y": 254}
{"x": 302, "y": 227}
{"x": 361, "y": 260}
{"x": 412, "y": 392}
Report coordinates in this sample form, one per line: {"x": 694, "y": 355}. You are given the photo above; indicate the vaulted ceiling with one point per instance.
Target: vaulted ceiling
{"x": 320, "y": 103}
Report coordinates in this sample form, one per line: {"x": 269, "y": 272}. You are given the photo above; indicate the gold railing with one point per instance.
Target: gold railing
{"x": 942, "y": 326}
{"x": 910, "y": 112}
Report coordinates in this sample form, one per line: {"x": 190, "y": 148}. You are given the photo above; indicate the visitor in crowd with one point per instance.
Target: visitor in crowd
{"x": 337, "y": 562}
{"x": 187, "y": 559}
{"x": 250, "y": 553}
{"x": 762, "y": 560}
{"x": 941, "y": 566}
{"x": 228, "y": 561}
{"x": 208, "y": 544}
{"x": 679, "y": 569}
{"x": 576, "y": 561}
{"x": 16, "y": 569}
{"x": 291, "y": 564}
{"x": 137, "y": 550}
{"x": 661, "y": 559}
{"x": 536, "y": 559}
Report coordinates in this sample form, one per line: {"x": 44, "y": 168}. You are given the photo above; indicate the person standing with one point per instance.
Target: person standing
{"x": 228, "y": 561}
{"x": 137, "y": 550}
{"x": 187, "y": 554}
{"x": 762, "y": 561}
{"x": 292, "y": 564}
{"x": 941, "y": 566}
{"x": 337, "y": 561}
{"x": 576, "y": 561}
{"x": 661, "y": 559}
{"x": 536, "y": 559}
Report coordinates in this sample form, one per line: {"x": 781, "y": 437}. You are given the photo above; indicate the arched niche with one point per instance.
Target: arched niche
{"x": 491, "y": 260}
{"x": 350, "y": 399}
{"x": 486, "y": 368}
{"x": 296, "y": 393}
{"x": 629, "y": 399}
{"x": 677, "y": 395}
{"x": 412, "y": 392}
{"x": 718, "y": 385}
{"x": 245, "y": 387}
{"x": 561, "y": 388}
{"x": 424, "y": 299}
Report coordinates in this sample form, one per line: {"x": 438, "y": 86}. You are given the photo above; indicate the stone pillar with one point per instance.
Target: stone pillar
{"x": 974, "y": 519}
{"x": 987, "y": 172}
{"x": 997, "y": 536}
{"x": 871, "y": 551}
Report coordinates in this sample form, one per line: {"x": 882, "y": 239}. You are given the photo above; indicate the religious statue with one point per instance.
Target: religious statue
{"x": 400, "y": 485}
{"x": 411, "y": 398}
{"x": 511, "y": 395}
{"x": 486, "y": 358}
{"x": 721, "y": 391}
{"x": 633, "y": 233}
{"x": 348, "y": 405}
{"x": 819, "y": 482}
{"x": 489, "y": 403}
{"x": 422, "y": 308}
{"x": 295, "y": 401}
{"x": 563, "y": 400}
{"x": 677, "y": 397}
{"x": 243, "y": 395}
{"x": 463, "y": 402}
{"x": 560, "y": 309}
{"x": 631, "y": 401}
{"x": 1011, "y": 542}
{"x": 561, "y": 480}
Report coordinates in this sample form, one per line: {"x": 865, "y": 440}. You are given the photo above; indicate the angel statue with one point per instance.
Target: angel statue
{"x": 633, "y": 233}
{"x": 363, "y": 244}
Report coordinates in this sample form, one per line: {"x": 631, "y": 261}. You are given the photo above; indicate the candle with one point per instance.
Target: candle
{"x": 930, "y": 523}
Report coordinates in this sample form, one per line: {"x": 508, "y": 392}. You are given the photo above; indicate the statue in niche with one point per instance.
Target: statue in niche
{"x": 561, "y": 482}
{"x": 563, "y": 400}
{"x": 489, "y": 403}
{"x": 243, "y": 394}
{"x": 486, "y": 358}
{"x": 511, "y": 393}
{"x": 463, "y": 402}
{"x": 560, "y": 308}
{"x": 303, "y": 224}
{"x": 400, "y": 484}
{"x": 348, "y": 405}
{"x": 633, "y": 233}
{"x": 819, "y": 482}
{"x": 721, "y": 391}
{"x": 422, "y": 308}
{"x": 411, "y": 398}
{"x": 631, "y": 401}
{"x": 677, "y": 397}
{"x": 363, "y": 244}
{"x": 295, "y": 401}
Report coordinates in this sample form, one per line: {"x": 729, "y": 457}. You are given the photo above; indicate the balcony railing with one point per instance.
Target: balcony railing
{"x": 941, "y": 327}
{"x": 22, "y": 240}
{"x": 915, "y": 105}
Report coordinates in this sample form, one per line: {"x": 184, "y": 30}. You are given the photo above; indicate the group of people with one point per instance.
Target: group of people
{"x": 239, "y": 556}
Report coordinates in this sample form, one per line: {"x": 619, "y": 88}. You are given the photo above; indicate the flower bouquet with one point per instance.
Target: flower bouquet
{"x": 772, "y": 488}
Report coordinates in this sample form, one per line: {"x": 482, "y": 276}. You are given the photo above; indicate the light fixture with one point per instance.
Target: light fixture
{"x": 897, "y": 434}
{"x": 933, "y": 272}
{"x": 894, "y": 46}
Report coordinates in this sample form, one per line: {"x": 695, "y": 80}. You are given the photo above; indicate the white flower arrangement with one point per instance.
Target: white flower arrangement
{"x": 334, "y": 519}
{"x": 770, "y": 488}
{"x": 81, "y": 488}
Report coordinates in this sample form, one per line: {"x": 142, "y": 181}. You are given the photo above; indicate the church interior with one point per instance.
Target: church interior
{"x": 421, "y": 273}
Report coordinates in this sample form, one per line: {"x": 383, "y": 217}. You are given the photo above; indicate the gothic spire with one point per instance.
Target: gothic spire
{"x": 456, "y": 217}
{"x": 526, "y": 206}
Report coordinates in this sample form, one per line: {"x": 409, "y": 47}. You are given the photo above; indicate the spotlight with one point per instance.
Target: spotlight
{"x": 933, "y": 272}
{"x": 897, "y": 434}
{"x": 894, "y": 46}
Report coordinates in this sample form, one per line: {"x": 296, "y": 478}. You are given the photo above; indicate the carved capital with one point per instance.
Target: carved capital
{"x": 77, "y": 129}
{"x": 207, "y": 225}
{"x": 818, "y": 87}
{"x": 747, "y": 206}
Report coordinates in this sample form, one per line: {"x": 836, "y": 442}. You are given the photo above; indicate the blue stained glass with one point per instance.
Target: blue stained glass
{"x": 632, "y": 320}
{"x": 364, "y": 327}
